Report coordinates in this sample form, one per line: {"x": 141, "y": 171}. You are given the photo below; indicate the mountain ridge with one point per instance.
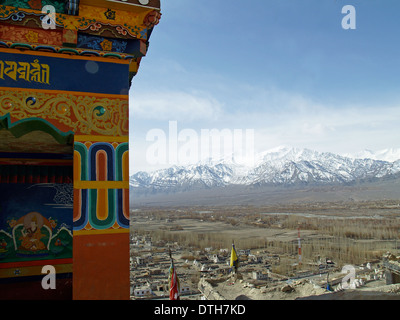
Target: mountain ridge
{"x": 281, "y": 166}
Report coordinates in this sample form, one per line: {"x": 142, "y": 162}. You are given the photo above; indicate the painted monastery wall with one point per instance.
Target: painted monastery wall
{"x": 64, "y": 137}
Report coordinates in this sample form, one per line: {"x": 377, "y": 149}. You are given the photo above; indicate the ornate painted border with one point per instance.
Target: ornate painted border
{"x": 91, "y": 18}
{"x": 81, "y": 113}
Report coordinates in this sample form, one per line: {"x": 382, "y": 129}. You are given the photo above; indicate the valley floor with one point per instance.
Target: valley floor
{"x": 266, "y": 239}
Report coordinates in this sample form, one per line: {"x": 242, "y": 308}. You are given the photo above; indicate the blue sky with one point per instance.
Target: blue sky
{"x": 283, "y": 68}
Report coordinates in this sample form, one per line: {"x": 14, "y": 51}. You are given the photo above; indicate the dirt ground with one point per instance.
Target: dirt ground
{"x": 241, "y": 231}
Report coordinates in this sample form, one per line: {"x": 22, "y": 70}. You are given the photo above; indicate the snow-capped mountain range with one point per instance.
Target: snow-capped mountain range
{"x": 279, "y": 166}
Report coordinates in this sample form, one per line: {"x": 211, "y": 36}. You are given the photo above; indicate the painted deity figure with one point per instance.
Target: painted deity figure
{"x": 31, "y": 236}
{"x": 3, "y": 245}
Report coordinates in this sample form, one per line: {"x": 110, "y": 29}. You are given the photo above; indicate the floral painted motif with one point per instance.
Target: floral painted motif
{"x": 100, "y": 43}
{"x": 32, "y": 36}
{"x": 21, "y": 34}
{"x": 106, "y": 45}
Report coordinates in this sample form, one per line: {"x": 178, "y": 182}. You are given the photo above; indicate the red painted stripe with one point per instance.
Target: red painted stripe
{"x": 34, "y": 263}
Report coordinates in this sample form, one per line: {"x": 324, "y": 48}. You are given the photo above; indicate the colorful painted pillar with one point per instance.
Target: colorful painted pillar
{"x": 65, "y": 72}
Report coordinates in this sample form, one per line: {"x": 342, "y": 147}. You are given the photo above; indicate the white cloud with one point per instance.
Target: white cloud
{"x": 175, "y": 105}
{"x": 333, "y": 129}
